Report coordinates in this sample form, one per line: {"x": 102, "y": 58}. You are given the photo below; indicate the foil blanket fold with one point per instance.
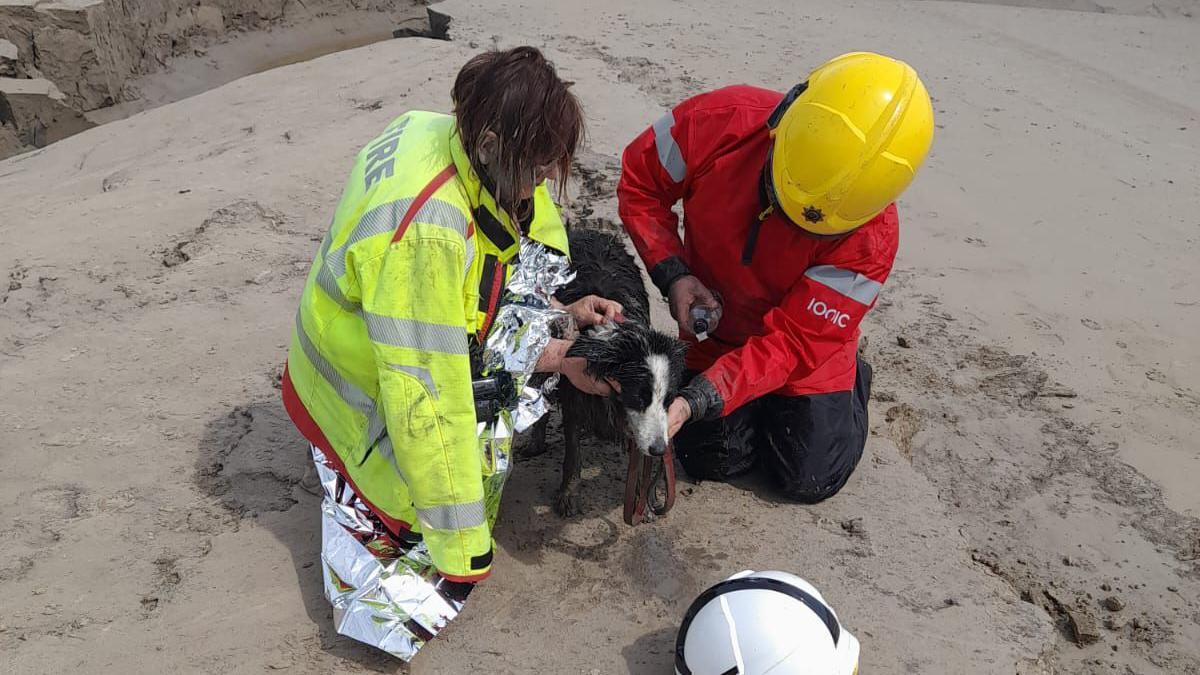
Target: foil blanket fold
{"x": 386, "y": 594}
{"x": 525, "y": 323}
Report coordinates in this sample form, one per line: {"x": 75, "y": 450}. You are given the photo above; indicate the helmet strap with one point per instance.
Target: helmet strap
{"x": 770, "y": 202}
{"x": 788, "y": 100}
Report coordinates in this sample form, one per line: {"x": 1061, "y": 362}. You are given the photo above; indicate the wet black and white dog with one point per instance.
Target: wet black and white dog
{"x": 647, "y": 364}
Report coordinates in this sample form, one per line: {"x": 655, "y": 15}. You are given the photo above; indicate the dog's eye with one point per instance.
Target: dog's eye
{"x": 637, "y": 398}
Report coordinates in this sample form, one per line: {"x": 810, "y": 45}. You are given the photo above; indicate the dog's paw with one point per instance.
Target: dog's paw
{"x": 568, "y": 504}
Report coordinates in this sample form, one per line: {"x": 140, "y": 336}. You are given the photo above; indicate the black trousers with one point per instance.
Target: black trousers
{"x": 808, "y": 444}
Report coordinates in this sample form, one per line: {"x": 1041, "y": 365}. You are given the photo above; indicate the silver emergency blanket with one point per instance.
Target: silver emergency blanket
{"x": 386, "y": 593}
{"x": 525, "y": 323}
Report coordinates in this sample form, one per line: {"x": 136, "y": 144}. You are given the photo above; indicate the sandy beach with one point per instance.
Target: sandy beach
{"x": 1035, "y": 419}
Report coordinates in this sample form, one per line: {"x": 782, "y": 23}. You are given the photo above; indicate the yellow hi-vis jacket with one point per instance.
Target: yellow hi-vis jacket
{"x": 378, "y": 373}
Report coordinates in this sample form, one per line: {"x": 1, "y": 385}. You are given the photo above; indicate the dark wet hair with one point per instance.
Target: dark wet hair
{"x": 517, "y": 95}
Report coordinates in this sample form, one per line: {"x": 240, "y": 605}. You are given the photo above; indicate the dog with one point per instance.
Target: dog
{"x": 647, "y": 365}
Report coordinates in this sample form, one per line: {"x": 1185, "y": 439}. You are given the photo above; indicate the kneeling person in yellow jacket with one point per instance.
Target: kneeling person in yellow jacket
{"x": 440, "y": 218}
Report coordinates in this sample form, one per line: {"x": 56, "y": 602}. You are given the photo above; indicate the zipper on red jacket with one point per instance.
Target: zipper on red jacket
{"x": 768, "y": 207}
{"x": 752, "y": 235}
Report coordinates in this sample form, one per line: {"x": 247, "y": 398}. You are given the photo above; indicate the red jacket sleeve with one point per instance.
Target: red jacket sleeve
{"x": 645, "y": 194}
{"x": 815, "y": 320}
{"x": 657, "y": 169}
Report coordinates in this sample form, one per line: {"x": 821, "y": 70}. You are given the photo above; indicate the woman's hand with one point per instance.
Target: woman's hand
{"x": 574, "y": 368}
{"x": 594, "y": 310}
{"x": 554, "y": 359}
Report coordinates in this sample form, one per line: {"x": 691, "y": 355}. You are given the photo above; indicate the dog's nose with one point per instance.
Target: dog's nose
{"x": 658, "y": 448}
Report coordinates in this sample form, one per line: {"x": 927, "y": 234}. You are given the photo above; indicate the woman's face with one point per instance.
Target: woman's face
{"x": 526, "y": 185}
{"x": 541, "y": 174}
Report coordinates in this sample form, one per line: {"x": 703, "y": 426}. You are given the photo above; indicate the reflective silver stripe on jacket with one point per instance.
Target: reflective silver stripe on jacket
{"x": 847, "y": 282}
{"x": 453, "y": 517}
{"x": 326, "y": 280}
{"x": 669, "y": 154}
{"x": 346, "y": 390}
{"x": 379, "y": 220}
{"x": 421, "y": 374}
{"x": 414, "y": 334}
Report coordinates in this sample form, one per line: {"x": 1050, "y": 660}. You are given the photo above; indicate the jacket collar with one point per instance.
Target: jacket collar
{"x": 490, "y": 219}
{"x": 543, "y": 226}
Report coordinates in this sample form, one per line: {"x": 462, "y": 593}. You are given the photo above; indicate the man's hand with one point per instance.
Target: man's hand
{"x": 594, "y": 310}
{"x": 677, "y": 414}
{"x": 687, "y": 292}
{"x": 574, "y": 368}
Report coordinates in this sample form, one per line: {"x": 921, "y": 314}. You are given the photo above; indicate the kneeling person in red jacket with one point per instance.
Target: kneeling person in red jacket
{"x": 790, "y": 231}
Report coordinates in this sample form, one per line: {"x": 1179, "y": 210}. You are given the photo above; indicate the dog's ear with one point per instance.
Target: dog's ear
{"x": 661, "y": 343}
{"x": 602, "y": 352}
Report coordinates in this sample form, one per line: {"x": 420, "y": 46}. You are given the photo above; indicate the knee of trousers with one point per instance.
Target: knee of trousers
{"x": 717, "y": 449}
{"x": 825, "y": 472}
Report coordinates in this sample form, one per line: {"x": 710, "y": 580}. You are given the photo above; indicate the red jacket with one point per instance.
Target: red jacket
{"x": 790, "y": 316}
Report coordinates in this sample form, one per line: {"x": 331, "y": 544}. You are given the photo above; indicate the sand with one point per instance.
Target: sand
{"x": 1033, "y": 449}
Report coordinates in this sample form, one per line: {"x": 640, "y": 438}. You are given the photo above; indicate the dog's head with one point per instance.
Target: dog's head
{"x": 648, "y": 367}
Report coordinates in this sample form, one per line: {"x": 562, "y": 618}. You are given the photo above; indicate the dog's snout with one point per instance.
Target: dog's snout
{"x": 658, "y": 448}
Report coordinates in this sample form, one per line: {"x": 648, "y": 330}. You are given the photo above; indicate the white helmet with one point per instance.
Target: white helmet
{"x": 763, "y": 622}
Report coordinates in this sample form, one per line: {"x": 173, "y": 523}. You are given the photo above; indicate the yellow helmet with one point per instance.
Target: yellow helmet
{"x": 848, "y": 141}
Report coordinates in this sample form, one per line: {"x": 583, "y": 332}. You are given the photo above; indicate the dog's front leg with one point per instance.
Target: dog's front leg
{"x": 568, "y": 493}
{"x": 536, "y": 445}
